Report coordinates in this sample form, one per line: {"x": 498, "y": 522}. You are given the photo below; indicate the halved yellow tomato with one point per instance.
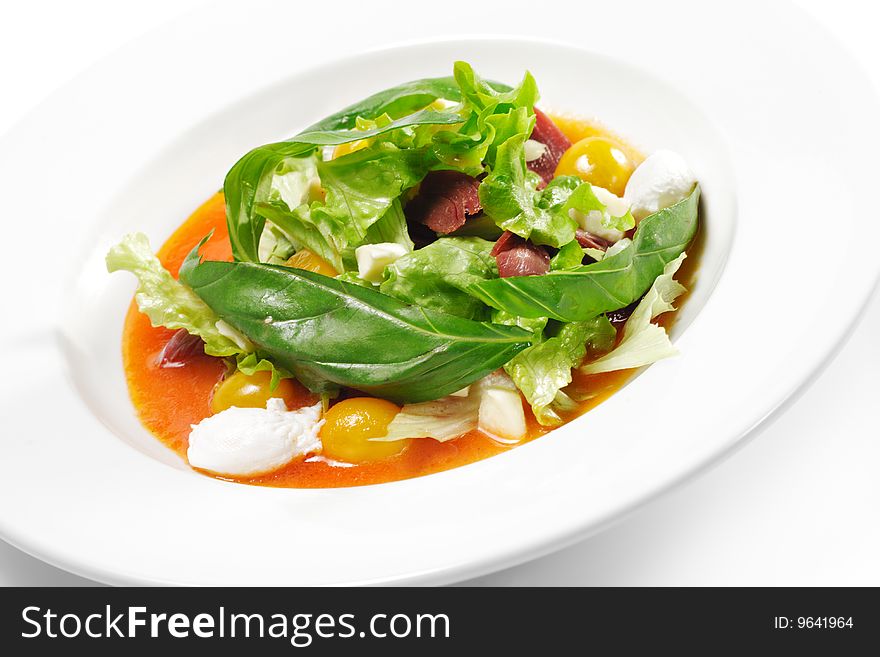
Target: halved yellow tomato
{"x": 600, "y": 161}
{"x": 310, "y": 261}
{"x": 349, "y": 425}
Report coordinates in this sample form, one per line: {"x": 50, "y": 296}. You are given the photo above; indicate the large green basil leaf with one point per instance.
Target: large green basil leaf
{"x": 397, "y": 102}
{"x": 614, "y": 282}
{"x": 336, "y": 137}
{"x": 438, "y": 275}
{"x": 250, "y": 182}
{"x": 323, "y": 329}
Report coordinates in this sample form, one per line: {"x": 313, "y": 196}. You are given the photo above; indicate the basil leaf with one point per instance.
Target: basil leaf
{"x": 168, "y": 302}
{"x": 336, "y": 137}
{"x": 396, "y": 102}
{"x": 323, "y": 329}
{"x": 248, "y": 182}
{"x": 614, "y": 282}
{"x": 438, "y": 275}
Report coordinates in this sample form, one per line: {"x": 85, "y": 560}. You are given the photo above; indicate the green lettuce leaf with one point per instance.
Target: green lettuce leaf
{"x": 438, "y": 275}
{"x": 642, "y": 342}
{"x": 275, "y": 246}
{"x": 360, "y": 188}
{"x": 391, "y": 227}
{"x": 361, "y": 204}
{"x": 168, "y": 302}
{"x": 443, "y": 419}
{"x": 585, "y": 200}
{"x": 480, "y": 94}
{"x": 509, "y": 195}
{"x": 534, "y": 325}
{"x": 541, "y": 371}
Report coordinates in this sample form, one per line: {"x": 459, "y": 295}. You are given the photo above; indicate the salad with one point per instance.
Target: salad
{"x": 428, "y": 277}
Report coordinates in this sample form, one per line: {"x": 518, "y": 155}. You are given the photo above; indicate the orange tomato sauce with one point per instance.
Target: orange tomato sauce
{"x": 169, "y": 400}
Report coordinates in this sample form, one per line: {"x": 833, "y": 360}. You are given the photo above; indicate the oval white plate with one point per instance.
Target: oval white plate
{"x": 141, "y": 139}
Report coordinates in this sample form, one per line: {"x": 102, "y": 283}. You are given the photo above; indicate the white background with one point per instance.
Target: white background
{"x": 798, "y": 506}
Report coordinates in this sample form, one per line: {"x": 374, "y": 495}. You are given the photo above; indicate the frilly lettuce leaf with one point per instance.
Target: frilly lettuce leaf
{"x": 391, "y": 227}
{"x": 481, "y": 94}
{"x": 584, "y": 200}
{"x": 437, "y": 276}
{"x": 361, "y": 190}
{"x": 642, "y": 342}
{"x": 448, "y": 417}
{"x": 275, "y": 246}
{"x": 443, "y": 419}
{"x": 171, "y": 304}
{"x": 165, "y": 300}
{"x": 510, "y": 196}
{"x": 541, "y": 371}
{"x": 535, "y": 325}
{"x": 250, "y": 363}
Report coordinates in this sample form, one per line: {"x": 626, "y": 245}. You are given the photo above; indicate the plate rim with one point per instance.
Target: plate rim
{"x": 539, "y": 545}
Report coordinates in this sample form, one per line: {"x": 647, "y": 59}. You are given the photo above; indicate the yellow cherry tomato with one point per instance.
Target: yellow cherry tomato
{"x": 309, "y": 261}
{"x": 349, "y": 425}
{"x": 253, "y": 391}
{"x": 599, "y": 161}
{"x": 350, "y": 147}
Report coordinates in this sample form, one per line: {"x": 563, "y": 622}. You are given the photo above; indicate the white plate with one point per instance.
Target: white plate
{"x": 776, "y": 120}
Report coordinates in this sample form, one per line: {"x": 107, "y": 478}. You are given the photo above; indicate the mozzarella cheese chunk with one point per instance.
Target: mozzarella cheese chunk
{"x": 501, "y": 413}
{"x": 373, "y": 258}
{"x": 595, "y": 221}
{"x": 534, "y": 150}
{"x": 249, "y": 441}
{"x": 663, "y": 179}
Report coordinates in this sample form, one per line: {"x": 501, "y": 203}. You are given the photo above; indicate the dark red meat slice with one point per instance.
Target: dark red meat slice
{"x": 445, "y": 200}
{"x": 507, "y": 241}
{"x": 524, "y": 260}
{"x": 557, "y": 143}
{"x": 180, "y": 349}
{"x": 590, "y": 241}
{"x": 518, "y": 257}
